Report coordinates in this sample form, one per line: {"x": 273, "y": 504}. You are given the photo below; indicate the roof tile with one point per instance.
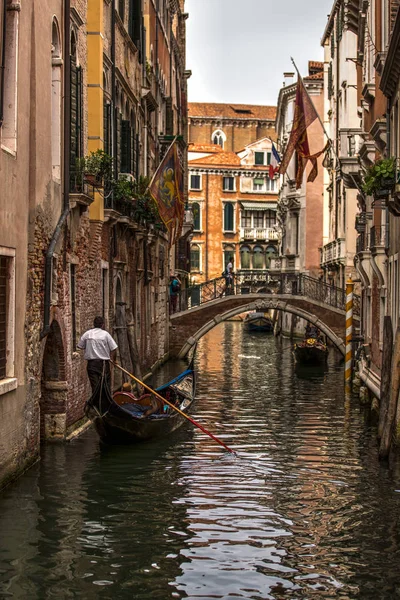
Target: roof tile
{"x": 232, "y": 111}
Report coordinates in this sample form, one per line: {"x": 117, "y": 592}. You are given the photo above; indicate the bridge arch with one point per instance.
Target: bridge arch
{"x": 196, "y": 331}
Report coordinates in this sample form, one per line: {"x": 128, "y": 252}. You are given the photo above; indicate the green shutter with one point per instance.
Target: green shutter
{"x": 107, "y": 128}
{"x": 125, "y": 147}
{"x": 118, "y": 119}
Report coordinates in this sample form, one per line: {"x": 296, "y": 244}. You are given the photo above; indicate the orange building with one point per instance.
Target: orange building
{"x": 231, "y": 126}
{"x": 232, "y": 197}
{"x": 234, "y": 204}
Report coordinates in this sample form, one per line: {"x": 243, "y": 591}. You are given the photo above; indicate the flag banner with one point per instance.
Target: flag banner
{"x": 275, "y": 161}
{"x": 166, "y": 189}
{"x": 304, "y": 115}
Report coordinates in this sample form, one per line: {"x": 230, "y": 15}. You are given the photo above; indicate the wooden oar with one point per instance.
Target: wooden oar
{"x": 174, "y": 407}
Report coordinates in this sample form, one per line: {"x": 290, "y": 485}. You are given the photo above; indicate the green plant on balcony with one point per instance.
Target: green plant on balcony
{"x": 98, "y": 168}
{"x": 145, "y": 208}
{"x": 123, "y": 189}
{"x": 380, "y": 177}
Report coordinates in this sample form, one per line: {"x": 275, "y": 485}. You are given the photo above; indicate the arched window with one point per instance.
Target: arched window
{"x": 258, "y": 258}
{"x": 271, "y": 252}
{"x": 229, "y": 256}
{"x": 228, "y": 217}
{"x": 218, "y": 138}
{"x": 195, "y": 257}
{"x": 56, "y": 62}
{"x": 118, "y": 291}
{"x": 245, "y": 257}
{"x": 196, "y": 216}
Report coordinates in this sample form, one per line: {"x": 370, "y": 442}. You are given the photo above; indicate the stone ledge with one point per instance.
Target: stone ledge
{"x": 8, "y": 385}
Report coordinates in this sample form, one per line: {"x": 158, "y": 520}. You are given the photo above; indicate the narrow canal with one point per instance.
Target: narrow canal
{"x": 307, "y": 512}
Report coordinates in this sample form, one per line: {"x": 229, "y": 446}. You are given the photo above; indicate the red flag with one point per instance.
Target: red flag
{"x": 167, "y": 190}
{"x": 304, "y": 115}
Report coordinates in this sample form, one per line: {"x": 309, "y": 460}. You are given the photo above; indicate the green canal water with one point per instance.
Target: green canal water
{"x": 307, "y": 511}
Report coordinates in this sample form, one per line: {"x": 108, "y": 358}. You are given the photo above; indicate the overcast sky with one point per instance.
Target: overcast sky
{"x": 238, "y": 50}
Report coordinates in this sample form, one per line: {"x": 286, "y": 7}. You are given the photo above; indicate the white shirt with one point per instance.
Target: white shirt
{"x": 97, "y": 343}
{"x": 229, "y": 268}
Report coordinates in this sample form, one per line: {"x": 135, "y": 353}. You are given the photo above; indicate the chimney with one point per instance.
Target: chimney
{"x": 288, "y": 79}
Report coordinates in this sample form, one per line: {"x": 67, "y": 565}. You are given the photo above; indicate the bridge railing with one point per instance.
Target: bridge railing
{"x": 264, "y": 282}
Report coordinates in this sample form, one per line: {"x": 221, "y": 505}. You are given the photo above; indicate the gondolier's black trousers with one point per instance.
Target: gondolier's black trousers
{"x": 95, "y": 369}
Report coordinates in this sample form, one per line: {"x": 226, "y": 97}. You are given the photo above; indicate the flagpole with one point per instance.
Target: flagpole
{"x": 317, "y": 113}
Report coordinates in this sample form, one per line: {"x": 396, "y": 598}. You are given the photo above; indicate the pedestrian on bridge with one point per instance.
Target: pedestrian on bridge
{"x": 174, "y": 289}
{"x": 229, "y": 277}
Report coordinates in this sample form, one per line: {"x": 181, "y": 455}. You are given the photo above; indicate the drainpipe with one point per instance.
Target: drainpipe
{"x": 3, "y": 63}
{"x": 63, "y": 217}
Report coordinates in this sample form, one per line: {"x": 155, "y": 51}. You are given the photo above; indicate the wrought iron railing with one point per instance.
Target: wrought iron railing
{"x": 379, "y": 236}
{"x": 78, "y": 184}
{"x": 265, "y": 282}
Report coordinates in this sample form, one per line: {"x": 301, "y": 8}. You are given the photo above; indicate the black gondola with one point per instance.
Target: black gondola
{"x": 122, "y": 418}
{"x": 258, "y": 322}
{"x": 311, "y": 351}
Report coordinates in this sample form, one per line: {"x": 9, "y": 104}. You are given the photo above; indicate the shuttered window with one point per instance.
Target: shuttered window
{"x": 228, "y": 217}
{"x": 136, "y": 27}
{"x": 107, "y": 128}
{"x": 119, "y": 141}
{"x": 3, "y": 316}
{"x": 126, "y": 147}
{"x": 76, "y": 150}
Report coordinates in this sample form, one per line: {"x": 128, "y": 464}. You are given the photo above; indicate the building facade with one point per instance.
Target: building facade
{"x": 300, "y": 211}
{"x": 232, "y": 197}
{"x": 71, "y": 249}
{"x": 343, "y": 125}
{"x": 233, "y": 201}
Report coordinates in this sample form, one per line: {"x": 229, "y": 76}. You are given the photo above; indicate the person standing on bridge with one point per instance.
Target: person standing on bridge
{"x": 174, "y": 289}
{"x": 229, "y": 277}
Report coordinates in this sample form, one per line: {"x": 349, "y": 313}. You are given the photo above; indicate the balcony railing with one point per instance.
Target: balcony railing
{"x": 334, "y": 251}
{"x": 258, "y": 233}
{"x": 362, "y": 242}
{"x": 351, "y": 141}
{"x": 379, "y": 237}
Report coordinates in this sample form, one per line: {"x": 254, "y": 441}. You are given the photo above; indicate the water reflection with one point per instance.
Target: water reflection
{"x": 307, "y": 511}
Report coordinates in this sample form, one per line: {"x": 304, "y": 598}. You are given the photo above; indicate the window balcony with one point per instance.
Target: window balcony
{"x": 81, "y": 193}
{"x": 379, "y": 237}
{"x": 351, "y": 142}
{"x": 257, "y": 234}
{"x": 334, "y": 252}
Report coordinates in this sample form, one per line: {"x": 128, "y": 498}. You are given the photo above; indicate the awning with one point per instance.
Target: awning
{"x": 259, "y": 205}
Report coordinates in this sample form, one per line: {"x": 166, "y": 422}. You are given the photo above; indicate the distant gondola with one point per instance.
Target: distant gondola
{"x": 311, "y": 352}
{"x": 122, "y": 418}
{"x": 258, "y": 321}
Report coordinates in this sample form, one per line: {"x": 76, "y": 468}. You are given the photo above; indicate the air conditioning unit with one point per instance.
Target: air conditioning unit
{"x": 126, "y": 177}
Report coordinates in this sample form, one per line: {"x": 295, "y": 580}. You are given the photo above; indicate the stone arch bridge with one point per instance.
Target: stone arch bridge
{"x": 202, "y": 307}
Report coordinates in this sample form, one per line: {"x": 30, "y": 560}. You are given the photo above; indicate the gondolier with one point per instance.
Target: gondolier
{"x": 99, "y": 348}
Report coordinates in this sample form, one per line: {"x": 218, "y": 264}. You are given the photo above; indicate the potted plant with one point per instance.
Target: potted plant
{"x": 380, "y": 178}
{"x": 98, "y": 168}
{"x": 123, "y": 189}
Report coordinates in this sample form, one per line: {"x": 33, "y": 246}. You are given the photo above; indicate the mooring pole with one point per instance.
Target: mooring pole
{"x": 349, "y": 331}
